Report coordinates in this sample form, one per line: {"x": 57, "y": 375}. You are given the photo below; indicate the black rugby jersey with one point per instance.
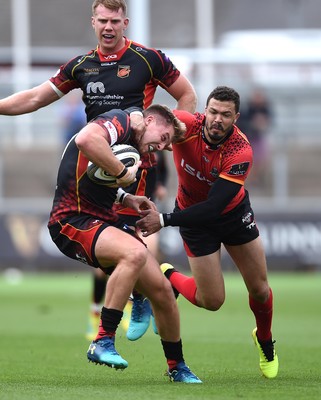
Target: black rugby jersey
{"x": 124, "y": 79}
{"x": 75, "y": 192}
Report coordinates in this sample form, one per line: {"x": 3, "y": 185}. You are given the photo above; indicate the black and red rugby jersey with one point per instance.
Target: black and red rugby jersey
{"x": 125, "y": 79}
{"x": 75, "y": 192}
{"x": 128, "y": 78}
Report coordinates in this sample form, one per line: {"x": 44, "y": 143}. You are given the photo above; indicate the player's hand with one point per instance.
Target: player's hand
{"x": 139, "y": 203}
{"x": 149, "y": 222}
{"x": 129, "y": 177}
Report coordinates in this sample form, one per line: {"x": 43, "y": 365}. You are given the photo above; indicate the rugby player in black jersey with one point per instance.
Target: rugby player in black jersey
{"x": 85, "y": 227}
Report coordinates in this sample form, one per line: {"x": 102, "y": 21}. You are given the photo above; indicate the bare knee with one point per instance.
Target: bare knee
{"x": 135, "y": 257}
{"x": 162, "y": 293}
{"x": 213, "y": 303}
{"x": 260, "y": 293}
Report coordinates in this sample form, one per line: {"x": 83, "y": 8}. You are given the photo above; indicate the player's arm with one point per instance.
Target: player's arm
{"x": 92, "y": 142}
{"x": 184, "y": 93}
{"x": 29, "y": 100}
{"x": 198, "y": 215}
{"x": 206, "y": 212}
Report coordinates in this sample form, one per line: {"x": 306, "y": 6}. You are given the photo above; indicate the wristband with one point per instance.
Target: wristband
{"x": 167, "y": 219}
{"x": 123, "y": 197}
{"x": 121, "y": 194}
{"x": 123, "y": 173}
{"x": 161, "y": 220}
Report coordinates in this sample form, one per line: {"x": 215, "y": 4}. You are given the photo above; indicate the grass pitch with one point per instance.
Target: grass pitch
{"x": 43, "y": 348}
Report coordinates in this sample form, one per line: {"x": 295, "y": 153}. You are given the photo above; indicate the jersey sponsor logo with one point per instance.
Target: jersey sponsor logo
{"x": 141, "y": 50}
{"x": 194, "y": 172}
{"x": 112, "y": 132}
{"x": 108, "y": 64}
{"x": 123, "y": 71}
{"x": 94, "y": 87}
{"x": 91, "y": 71}
{"x": 239, "y": 169}
{"x": 110, "y": 57}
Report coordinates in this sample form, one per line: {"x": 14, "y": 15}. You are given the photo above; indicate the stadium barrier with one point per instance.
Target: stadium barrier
{"x": 292, "y": 242}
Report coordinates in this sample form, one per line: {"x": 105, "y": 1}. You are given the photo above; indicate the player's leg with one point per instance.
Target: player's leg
{"x": 209, "y": 281}
{"x": 251, "y": 262}
{"x": 115, "y": 248}
{"x": 156, "y": 287}
{"x": 98, "y": 244}
{"x": 141, "y": 309}
{"x": 205, "y": 288}
{"x": 97, "y": 299}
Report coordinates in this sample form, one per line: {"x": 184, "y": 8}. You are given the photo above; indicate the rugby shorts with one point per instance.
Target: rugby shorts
{"x": 76, "y": 237}
{"x": 233, "y": 228}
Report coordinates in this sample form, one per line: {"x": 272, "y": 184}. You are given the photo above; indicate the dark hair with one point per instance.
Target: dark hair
{"x": 114, "y": 5}
{"x": 224, "y": 93}
{"x": 165, "y": 113}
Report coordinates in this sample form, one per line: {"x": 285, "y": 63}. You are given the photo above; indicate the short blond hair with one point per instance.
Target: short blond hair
{"x": 114, "y": 5}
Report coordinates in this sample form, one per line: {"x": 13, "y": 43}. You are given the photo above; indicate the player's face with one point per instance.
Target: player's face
{"x": 158, "y": 136}
{"x": 220, "y": 116}
{"x": 109, "y": 27}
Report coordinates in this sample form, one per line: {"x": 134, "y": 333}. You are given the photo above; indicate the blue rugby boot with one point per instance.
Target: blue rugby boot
{"x": 140, "y": 318}
{"x": 155, "y": 329}
{"x": 103, "y": 352}
{"x": 182, "y": 374}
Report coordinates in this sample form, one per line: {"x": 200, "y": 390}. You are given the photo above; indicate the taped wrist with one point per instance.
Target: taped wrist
{"x": 121, "y": 195}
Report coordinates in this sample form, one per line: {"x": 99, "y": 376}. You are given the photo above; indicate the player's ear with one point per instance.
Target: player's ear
{"x": 236, "y": 118}
{"x": 149, "y": 119}
{"x": 126, "y": 22}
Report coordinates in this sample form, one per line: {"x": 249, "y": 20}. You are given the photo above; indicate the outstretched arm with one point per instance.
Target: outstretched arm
{"x": 198, "y": 215}
{"x": 29, "y": 100}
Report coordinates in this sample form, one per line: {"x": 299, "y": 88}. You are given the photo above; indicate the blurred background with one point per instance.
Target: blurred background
{"x": 270, "y": 52}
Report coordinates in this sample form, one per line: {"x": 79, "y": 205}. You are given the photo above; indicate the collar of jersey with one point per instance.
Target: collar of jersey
{"x": 215, "y": 146}
{"x": 113, "y": 56}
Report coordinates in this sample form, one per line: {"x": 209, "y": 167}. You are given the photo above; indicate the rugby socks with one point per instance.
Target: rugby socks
{"x": 184, "y": 285}
{"x": 173, "y": 352}
{"x": 109, "y": 321}
{"x": 99, "y": 289}
{"x": 263, "y": 315}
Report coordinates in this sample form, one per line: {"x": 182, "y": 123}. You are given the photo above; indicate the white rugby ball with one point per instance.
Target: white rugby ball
{"x": 126, "y": 153}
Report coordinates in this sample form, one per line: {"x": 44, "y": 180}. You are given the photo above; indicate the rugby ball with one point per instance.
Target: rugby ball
{"x": 126, "y": 153}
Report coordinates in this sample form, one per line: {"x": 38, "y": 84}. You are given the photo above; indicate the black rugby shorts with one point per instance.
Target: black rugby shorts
{"x": 233, "y": 228}
{"x": 77, "y": 235}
